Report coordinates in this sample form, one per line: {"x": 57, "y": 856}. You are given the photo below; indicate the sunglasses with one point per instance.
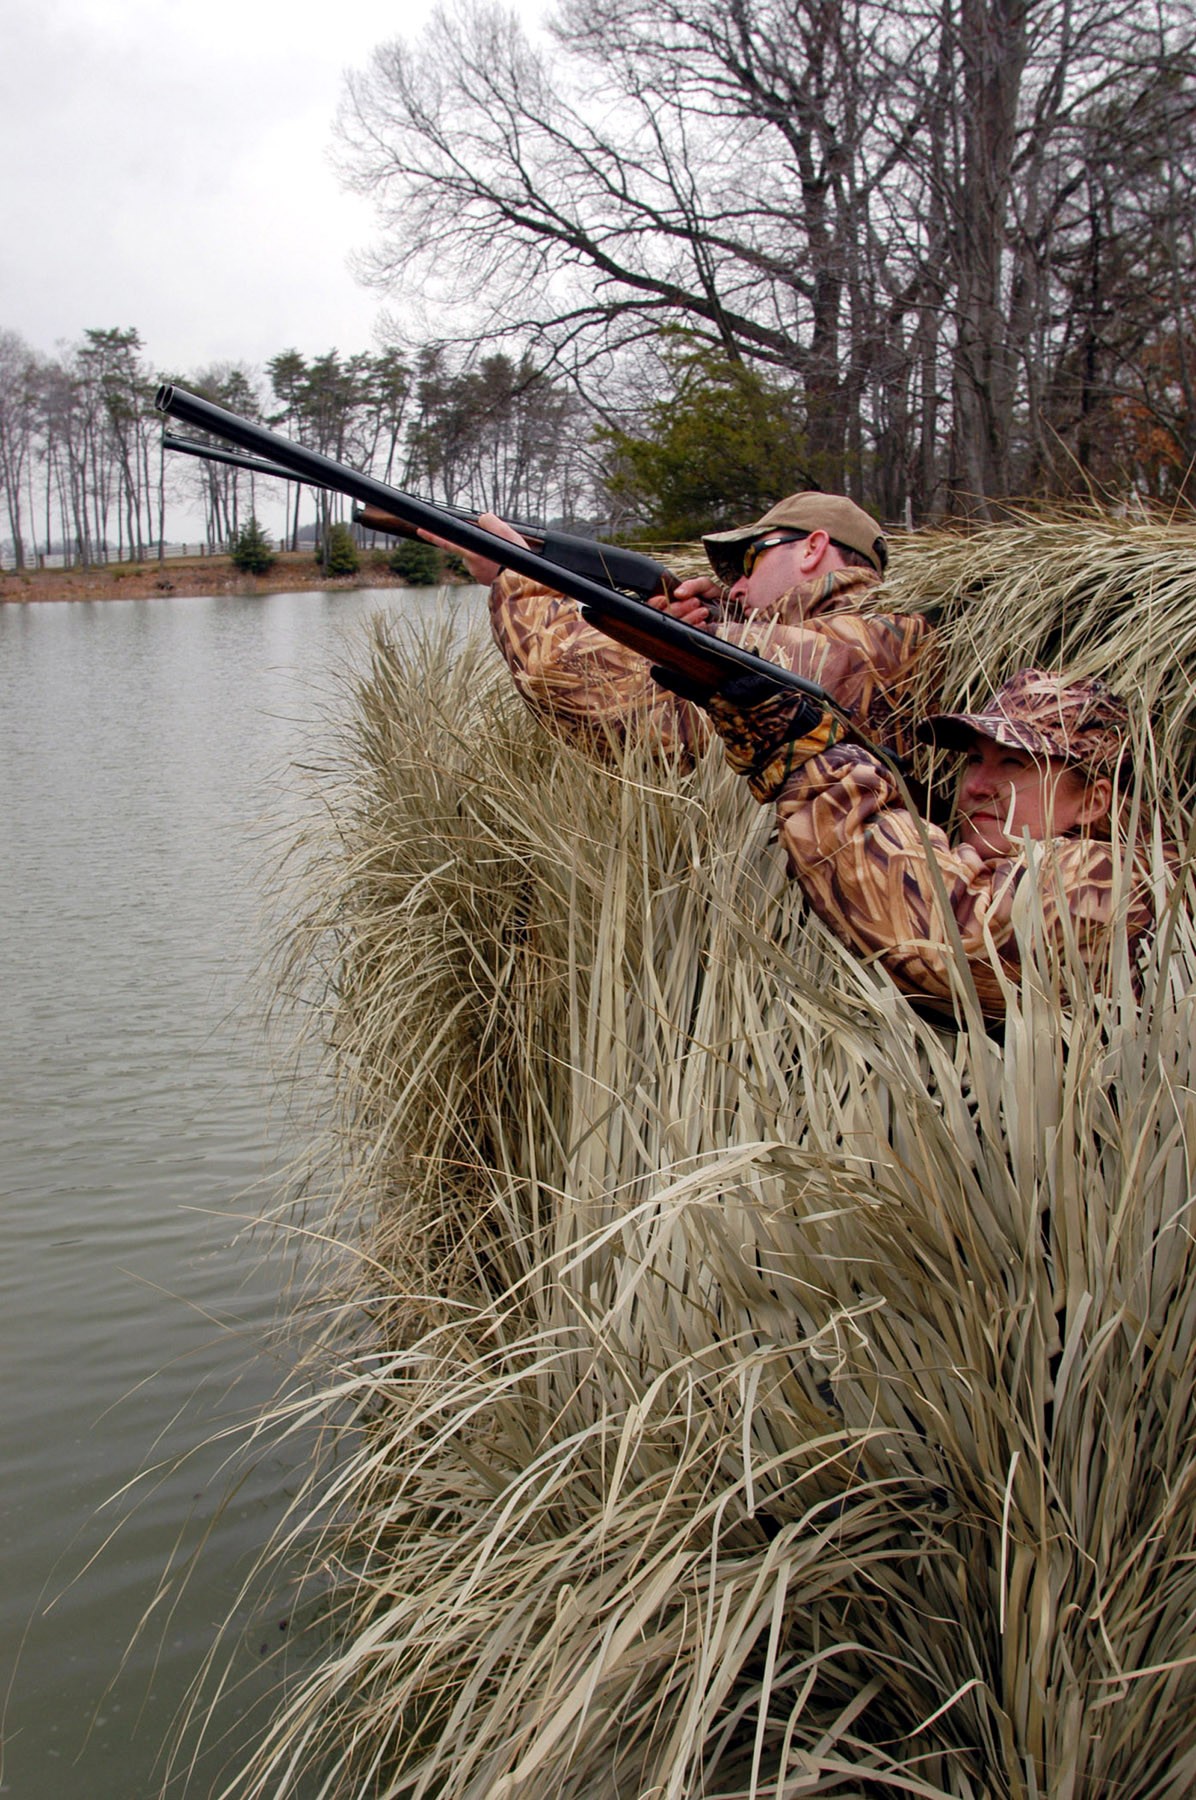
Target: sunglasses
{"x": 758, "y": 546}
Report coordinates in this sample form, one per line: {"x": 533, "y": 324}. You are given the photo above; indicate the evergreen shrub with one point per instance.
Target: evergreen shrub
{"x": 338, "y": 554}
{"x": 418, "y": 563}
{"x": 252, "y": 551}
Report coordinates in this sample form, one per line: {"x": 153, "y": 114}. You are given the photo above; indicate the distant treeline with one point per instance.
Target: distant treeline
{"x": 84, "y": 475}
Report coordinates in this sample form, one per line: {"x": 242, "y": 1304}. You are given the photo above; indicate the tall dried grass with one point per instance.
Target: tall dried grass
{"x": 1088, "y": 592}
{"x": 739, "y": 1384}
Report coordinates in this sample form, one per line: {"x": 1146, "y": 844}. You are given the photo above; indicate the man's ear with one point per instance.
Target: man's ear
{"x": 814, "y": 548}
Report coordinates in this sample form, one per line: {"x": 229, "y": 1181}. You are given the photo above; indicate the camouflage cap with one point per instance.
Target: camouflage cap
{"x": 845, "y": 523}
{"x": 1080, "y": 722}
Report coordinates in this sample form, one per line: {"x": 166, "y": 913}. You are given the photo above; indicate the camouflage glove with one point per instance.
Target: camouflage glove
{"x": 768, "y": 732}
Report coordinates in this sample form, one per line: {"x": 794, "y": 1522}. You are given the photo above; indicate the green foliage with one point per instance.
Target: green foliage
{"x": 338, "y": 553}
{"x": 321, "y": 399}
{"x": 499, "y": 429}
{"x": 420, "y": 564}
{"x": 252, "y": 551}
{"x": 722, "y": 448}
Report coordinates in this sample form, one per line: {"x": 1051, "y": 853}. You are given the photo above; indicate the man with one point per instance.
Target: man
{"x": 793, "y": 586}
{"x": 1041, "y": 763}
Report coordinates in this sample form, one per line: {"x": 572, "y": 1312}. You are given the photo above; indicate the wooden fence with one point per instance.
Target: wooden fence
{"x": 69, "y": 559}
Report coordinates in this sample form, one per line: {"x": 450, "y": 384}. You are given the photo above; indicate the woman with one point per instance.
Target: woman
{"x": 1035, "y": 803}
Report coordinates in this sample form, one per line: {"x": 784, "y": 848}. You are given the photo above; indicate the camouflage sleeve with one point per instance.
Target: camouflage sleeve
{"x": 577, "y": 679}
{"x": 586, "y": 685}
{"x": 869, "y": 663}
{"x": 868, "y": 866}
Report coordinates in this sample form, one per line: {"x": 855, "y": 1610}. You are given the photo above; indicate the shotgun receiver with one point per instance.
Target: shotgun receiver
{"x": 611, "y": 565}
{"x": 702, "y": 661}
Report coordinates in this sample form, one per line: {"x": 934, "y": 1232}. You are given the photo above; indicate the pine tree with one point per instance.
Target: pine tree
{"x": 252, "y": 551}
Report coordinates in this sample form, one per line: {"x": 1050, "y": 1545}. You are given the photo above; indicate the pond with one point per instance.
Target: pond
{"x": 146, "y": 752}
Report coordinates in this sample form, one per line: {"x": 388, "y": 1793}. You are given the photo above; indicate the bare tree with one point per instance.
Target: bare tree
{"x": 715, "y": 173}
{"x": 874, "y": 200}
{"x": 117, "y": 389}
{"x": 220, "y": 486}
{"x": 18, "y": 421}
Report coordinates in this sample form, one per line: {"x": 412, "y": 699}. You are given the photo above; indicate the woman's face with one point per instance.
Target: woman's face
{"x": 1004, "y": 793}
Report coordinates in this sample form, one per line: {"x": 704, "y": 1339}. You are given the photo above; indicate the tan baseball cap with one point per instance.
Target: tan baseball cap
{"x": 845, "y": 523}
{"x": 1080, "y": 722}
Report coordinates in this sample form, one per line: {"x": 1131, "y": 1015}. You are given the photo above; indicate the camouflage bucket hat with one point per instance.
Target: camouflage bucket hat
{"x": 1081, "y": 722}
{"x": 845, "y": 523}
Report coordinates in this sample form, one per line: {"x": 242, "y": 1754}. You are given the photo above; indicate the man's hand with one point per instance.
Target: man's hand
{"x": 483, "y": 570}
{"x": 766, "y": 736}
{"x": 695, "y": 602}
{"x": 767, "y": 731}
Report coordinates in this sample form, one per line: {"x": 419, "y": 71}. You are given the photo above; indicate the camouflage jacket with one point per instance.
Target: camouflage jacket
{"x": 868, "y": 868}
{"x": 591, "y": 689}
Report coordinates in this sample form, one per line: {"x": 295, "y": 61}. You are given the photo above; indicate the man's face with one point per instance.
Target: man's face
{"x": 778, "y": 567}
{"x": 1004, "y": 793}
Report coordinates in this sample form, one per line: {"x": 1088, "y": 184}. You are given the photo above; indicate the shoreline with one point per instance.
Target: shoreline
{"x": 185, "y": 577}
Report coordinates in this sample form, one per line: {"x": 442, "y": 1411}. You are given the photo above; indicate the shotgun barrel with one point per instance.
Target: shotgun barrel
{"x": 611, "y": 565}
{"x": 702, "y": 660}
{"x": 212, "y": 453}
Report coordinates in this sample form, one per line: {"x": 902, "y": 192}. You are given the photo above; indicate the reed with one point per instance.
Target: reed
{"x": 735, "y": 1383}
{"x": 1086, "y": 591}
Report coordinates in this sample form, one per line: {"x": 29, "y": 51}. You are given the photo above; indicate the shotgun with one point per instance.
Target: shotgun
{"x": 611, "y": 565}
{"x": 210, "y": 453}
{"x": 703, "y": 662}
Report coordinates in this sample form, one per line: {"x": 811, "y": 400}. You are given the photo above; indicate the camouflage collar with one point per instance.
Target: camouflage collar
{"x": 842, "y": 590}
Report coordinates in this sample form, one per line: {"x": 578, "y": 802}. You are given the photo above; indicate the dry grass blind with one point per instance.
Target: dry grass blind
{"x": 741, "y": 1386}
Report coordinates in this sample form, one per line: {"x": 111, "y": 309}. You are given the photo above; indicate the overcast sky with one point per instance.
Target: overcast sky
{"x": 167, "y": 166}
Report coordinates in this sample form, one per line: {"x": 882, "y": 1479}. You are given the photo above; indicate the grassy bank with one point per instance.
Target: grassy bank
{"x": 735, "y": 1384}
{"x": 293, "y": 571}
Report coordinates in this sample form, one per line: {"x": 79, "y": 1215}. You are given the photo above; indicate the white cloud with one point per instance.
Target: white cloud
{"x": 168, "y": 167}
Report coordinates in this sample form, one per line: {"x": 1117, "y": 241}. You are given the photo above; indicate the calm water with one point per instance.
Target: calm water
{"x": 143, "y": 751}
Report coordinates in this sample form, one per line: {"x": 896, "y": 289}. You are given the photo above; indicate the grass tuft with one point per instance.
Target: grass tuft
{"x": 736, "y": 1384}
